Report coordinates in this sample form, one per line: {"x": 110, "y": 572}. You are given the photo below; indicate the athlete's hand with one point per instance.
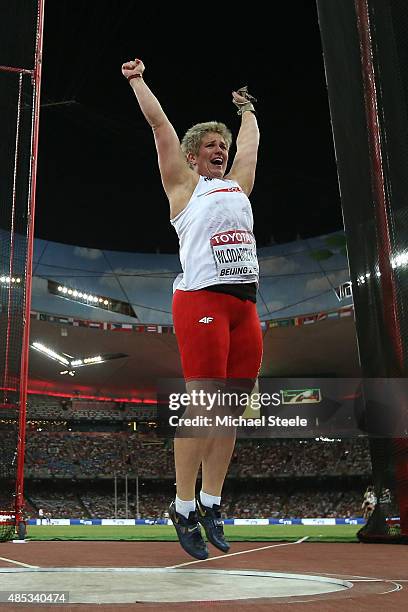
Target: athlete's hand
{"x": 243, "y": 100}
{"x": 133, "y": 69}
{"x": 238, "y": 98}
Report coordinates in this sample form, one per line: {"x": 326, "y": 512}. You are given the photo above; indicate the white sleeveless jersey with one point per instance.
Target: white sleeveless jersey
{"x": 216, "y": 238}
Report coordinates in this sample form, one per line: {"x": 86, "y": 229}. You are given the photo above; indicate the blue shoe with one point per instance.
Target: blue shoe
{"x": 210, "y": 519}
{"x": 189, "y": 533}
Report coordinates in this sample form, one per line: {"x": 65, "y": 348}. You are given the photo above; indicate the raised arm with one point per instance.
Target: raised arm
{"x": 244, "y": 165}
{"x": 177, "y": 178}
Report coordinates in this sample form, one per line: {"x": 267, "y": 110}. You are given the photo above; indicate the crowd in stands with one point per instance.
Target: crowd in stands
{"x": 94, "y": 455}
{"x": 284, "y": 457}
{"x": 7, "y": 499}
{"x": 308, "y": 503}
{"x": 54, "y": 412}
{"x": 43, "y": 407}
{"x": 72, "y": 457}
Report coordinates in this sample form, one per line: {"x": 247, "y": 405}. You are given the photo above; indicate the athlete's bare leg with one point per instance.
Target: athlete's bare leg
{"x": 219, "y": 448}
{"x": 212, "y": 447}
{"x": 214, "y": 453}
{"x": 189, "y": 451}
{"x": 216, "y": 460}
{"x": 188, "y": 454}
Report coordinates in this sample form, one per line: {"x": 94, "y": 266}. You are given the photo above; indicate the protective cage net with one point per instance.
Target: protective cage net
{"x": 8, "y": 464}
{"x": 18, "y": 23}
{"x": 384, "y": 525}
{"x": 365, "y": 47}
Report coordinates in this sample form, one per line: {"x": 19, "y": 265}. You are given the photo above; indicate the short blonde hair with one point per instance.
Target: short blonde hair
{"x": 192, "y": 138}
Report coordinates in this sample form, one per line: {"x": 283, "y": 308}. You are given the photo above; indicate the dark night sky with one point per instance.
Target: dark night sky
{"x": 98, "y": 180}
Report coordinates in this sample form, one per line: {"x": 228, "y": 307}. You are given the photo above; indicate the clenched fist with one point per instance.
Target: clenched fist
{"x": 133, "y": 69}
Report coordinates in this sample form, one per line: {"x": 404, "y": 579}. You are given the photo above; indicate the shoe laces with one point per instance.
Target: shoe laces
{"x": 215, "y": 516}
{"x": 197, "y": 537}
{"x": 194, "y": 531}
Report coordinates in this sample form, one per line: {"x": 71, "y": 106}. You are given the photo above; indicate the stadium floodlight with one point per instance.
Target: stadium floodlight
{"x": 90, "y": 298}
{"x": 86, "y": 361}
{"x": 7, "y": 280}
{"x": 363, "y": 278}
{"x": 93, "y": 300}
{"x": 400, "y": 260}
{"x": 48, "y": 352}
{"x": 94, "y": 360}
{"x": 72, "y": 363}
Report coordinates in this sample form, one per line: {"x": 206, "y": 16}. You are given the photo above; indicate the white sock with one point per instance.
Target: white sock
{"x": 209, "y": 500}
{"x": 185, "y": 507}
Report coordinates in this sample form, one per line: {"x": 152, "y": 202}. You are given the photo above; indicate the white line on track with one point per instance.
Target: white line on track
{"x": 363, "y": 578}
{"x": 398, "y": 587}
{"x": 396, "y": 583}
{"x": 242, "y": 552}
{"x": 17, "y": 562}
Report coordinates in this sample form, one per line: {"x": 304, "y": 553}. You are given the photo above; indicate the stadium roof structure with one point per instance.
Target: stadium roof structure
{"x": 114, "y": 309}
{"x": 312, "y": 346}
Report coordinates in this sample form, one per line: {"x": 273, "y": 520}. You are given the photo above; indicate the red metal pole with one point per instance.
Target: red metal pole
{"x": 36, "y": 78}
{"x": 386, "y": 281}
{"x": 14, "y": 69}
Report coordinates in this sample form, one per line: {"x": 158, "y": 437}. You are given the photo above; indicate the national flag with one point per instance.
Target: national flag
{"x": 309, "y": 320}
{"x": 333, "y": 315}
{"x": 115, "y": 326}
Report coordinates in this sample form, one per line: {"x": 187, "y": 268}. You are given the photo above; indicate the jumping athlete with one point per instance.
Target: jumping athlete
{"x": 214, "y": 302}
{"x": 369, "y": 502}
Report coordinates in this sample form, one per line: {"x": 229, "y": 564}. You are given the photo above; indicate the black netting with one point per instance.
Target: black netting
{"x": 18, "y": 23}
{"x": 15, "y": 130}
{"x": 365, "y": 48}
{"x": 17, "y": 32}
{"x": 7, "y": 526}
{"x": 8, "y": 468}
{"x": 17, "y": 48}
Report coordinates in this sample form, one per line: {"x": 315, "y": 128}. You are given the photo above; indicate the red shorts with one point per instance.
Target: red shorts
{"x": 219, "y": 335}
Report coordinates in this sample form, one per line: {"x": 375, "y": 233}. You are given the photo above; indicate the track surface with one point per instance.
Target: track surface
{"x": 379, "y": 573}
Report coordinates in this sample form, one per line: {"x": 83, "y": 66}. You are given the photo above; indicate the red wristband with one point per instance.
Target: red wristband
{"x": 134, "y": 76}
